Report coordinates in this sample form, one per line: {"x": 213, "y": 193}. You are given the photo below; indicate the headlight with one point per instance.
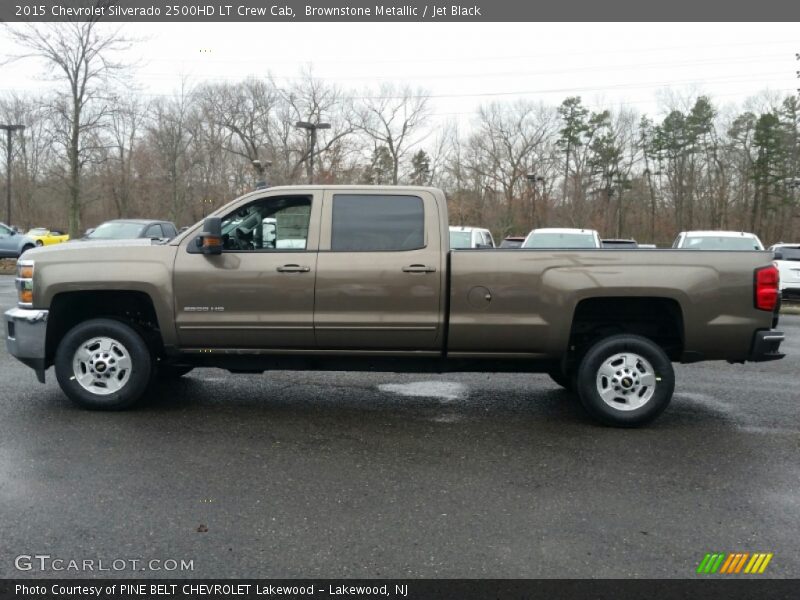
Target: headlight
{"x": 25, "y": 283}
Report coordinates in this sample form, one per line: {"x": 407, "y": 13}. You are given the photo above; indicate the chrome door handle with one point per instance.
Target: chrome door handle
{"x": 293, "y": 269}
{"x": 419, "y": 269}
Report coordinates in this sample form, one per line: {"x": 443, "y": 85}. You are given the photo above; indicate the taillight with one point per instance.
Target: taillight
{"x": 766, "y": 288}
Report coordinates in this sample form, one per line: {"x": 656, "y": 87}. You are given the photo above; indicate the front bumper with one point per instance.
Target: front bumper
{"x": 26, "y": 333}
{"x": 766, "y": 346}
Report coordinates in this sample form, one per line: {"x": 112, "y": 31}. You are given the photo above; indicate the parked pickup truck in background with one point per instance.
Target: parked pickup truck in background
{"x": 373, "y": 285}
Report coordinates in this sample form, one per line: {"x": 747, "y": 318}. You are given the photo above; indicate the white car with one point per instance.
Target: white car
{"x": 717, "y": 240}
{"x": 470, "y": 237}
{"x": 562, "y": 237}
{"x": 789, "y": 267}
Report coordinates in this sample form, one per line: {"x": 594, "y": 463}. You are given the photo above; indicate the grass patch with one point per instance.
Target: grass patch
{"x": 790, "y": 308}
{"x": 8, "y": 266}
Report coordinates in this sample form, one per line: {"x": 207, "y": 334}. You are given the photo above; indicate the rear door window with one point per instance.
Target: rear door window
{"x": 377, "y": 223}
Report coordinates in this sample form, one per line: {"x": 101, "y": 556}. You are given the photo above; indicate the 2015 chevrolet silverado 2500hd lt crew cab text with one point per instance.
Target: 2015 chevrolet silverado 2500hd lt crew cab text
{"x": 362, "y": 278}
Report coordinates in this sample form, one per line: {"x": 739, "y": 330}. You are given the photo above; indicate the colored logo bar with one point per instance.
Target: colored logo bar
{"x": 734, "y": 563}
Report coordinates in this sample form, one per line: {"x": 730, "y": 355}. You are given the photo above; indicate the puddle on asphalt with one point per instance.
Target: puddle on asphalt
{"x": 707, "y": 401}
{"x": 447, "y": 391}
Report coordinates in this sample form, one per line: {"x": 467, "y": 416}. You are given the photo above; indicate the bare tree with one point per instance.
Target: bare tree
{"x": 313, "y": 101}
{"x": 79, "y": 53}
{"x": 124, "y": 128}
{"x": 171, "y": 135}
{"x": 395, "y": 118}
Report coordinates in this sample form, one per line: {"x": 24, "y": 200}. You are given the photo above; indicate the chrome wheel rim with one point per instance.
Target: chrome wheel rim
{"x": 102, "y": 365}
{"x": 626, "y": 381}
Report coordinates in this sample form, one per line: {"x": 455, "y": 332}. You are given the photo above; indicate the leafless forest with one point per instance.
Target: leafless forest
{"x": 93, "y": 150}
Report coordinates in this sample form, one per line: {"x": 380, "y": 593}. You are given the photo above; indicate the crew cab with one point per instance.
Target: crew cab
{"x": 368, "y": 282}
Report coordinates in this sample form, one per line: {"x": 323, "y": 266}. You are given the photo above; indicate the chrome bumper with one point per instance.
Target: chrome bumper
{"x": 26, "y": 332}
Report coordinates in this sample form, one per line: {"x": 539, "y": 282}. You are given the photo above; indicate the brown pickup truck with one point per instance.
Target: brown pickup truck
{"x": 362, "y": 278}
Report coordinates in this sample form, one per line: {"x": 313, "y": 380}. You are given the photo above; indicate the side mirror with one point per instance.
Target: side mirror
{"x": 210, "y": 239}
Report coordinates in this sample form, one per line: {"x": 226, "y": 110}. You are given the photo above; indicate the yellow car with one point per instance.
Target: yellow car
{"x": 45, "y": 237}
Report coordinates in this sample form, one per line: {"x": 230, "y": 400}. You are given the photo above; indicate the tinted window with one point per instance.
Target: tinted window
{"x": 619, "y": 244}
{"x": 169, "y": 230}
{"x": 377, "y": 223}
{"x": 154, "y": 231}
{"x": 789, "y": 252}
{"x": 275, "y": 223}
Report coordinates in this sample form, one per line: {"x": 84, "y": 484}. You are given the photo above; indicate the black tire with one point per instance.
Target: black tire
{"x": 622, "y": 408}
{"x": 39, "y": 243}
{"x": 166, "y": 372}
{"x": 565, "y": 380}
{"x": 134, "y": 380}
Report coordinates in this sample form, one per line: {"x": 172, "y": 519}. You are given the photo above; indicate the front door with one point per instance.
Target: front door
{"x": 259, "y": 293}
{"x": 379, "y": 272}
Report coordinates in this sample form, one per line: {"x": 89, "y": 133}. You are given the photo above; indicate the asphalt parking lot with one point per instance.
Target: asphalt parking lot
{"x": 362, "y": 475}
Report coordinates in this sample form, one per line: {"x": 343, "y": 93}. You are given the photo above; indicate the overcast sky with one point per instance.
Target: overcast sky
{"x": 466, "y": 64}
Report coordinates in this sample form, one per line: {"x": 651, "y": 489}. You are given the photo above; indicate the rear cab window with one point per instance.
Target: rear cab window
{"x": 377, "y": 223}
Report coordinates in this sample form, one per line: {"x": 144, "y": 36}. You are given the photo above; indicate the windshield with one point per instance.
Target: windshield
{"x": 789, "y": 252}
{"x": 560, "y": 240}
{"x": 116, "y": 231}
{"x": 38, "y": 231}
{"x": 720, "y": 243}
{"x": 461, "y": 239}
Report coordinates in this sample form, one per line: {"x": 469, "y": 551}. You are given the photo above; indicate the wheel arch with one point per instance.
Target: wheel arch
{"x": 658, "y": 318}
{"x": 134, "y": 307}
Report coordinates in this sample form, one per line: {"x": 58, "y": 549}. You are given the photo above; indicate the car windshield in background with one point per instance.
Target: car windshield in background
{"x": 38, "y": 231}
{"x": 560, "y": 240}
{"x": 116, "y": 231}
{"x": 789, "y": 252}
{"x": 460, "y": 239}
{"x": 707, "y": 242}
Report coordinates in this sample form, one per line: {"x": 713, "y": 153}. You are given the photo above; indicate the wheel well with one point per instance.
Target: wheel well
{"x": 134, "y": 308}
{"x": 658, "y": 319}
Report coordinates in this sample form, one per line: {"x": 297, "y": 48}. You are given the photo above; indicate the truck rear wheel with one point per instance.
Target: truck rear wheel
{"x": 625, "y": 380}
{"x": 103, "y": 364}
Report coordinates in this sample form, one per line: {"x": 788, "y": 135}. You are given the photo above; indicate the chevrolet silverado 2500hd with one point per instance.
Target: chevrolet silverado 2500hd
{"x": 362, "y": 278}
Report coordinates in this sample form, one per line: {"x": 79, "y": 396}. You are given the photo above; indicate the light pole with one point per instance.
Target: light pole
{"x": 312, "y": 129}
{"x": 533, "y": 179}
{"x": 9, "y": 130}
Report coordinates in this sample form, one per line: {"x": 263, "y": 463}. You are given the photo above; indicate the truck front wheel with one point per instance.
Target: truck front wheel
{"x": 103, "y": 364}
{"x": 625, "y": 380}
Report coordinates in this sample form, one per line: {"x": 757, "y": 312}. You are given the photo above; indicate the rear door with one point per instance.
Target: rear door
{"x": 380, "y": 272}
{"x": 258, "y": 293}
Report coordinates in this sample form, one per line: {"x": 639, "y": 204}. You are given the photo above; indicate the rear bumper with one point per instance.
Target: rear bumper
{"x": 766, "y": 346}
{"x": 791, "y": 292}
{"x": 26, "y": 333}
